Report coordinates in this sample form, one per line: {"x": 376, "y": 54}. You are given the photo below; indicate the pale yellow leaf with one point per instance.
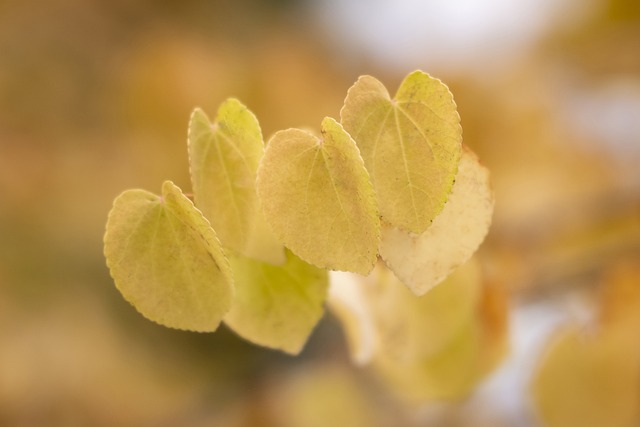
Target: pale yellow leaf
{"x": 410, "y": 145}
{"x": 422, "y": 261}
{"x": 277, "y": 306}
{"x": 439, "y": 345}
{"x": 166, "y": 259}
{"x": 317, "y": 197}
{"x": 588, "y": 381}
{"x": 448, "y": 374}
{"x": 224, "y": 158}
{"x": 453, "y": 371}
{"x": 381, "y": 315}
{"x": 410, "y": 327}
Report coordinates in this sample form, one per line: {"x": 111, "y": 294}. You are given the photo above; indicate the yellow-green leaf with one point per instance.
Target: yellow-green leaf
{"x": 166, "y": 259}
{"x": 277, "y": 306}
{"x": 318, "y": 199}
{"x": 422, "y": 261}
{"x": 224, "y": 159}
{"x": 410, "y": 145}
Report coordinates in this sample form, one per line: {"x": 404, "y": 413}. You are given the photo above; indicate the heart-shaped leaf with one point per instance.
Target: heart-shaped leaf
{"x": 422, "y": 261}
{"x": 410, "y": 145}
{"x": 277, "y": 306}
{"x": 318, "y": 199}
{"x": 224, "y": 158}
{"x": 166, "y": 259}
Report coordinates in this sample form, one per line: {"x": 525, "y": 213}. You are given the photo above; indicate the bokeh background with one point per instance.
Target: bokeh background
{"x": 95, "y": 97}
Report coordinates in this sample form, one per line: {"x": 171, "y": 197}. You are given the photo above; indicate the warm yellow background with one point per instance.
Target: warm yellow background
{"x": 95, "y": 98}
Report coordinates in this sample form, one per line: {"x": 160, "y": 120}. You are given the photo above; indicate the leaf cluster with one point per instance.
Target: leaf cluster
{"x": 391, "y": 179}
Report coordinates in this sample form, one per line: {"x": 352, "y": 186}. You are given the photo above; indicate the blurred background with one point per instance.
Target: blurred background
{"x": 95, "y": 98}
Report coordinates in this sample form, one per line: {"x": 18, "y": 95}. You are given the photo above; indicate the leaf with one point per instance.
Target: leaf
{"x": 439, "y": 345}
{"x": 588, "y": 381}
{"x": 224, "y": 158}
{"x": 410, "y": 145}
{"x": 422, "y": 261}
{"x": 318, "y": 199}
{"x": 411, "y": 327}
{"x": 277, "y": 306}
{"x": 473, "y": 347}
{"x": 591, "y": 377}
{"x": 381, "y": 315}
{"x": 167, "y": 261}
{"x": 448, "y": 374}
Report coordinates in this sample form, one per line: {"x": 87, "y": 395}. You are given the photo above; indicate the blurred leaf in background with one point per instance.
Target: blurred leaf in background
{"x": 591, "y": 378}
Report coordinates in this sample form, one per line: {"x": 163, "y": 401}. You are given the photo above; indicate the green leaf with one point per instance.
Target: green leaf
{"x": 224, "y": 158}
{"x": 318, "y": 199}
{"x": 277, "y": 306}
{"x": 422, "y": 261}
{"x": 410, "y": 145}
{"x": 166, "y": 260}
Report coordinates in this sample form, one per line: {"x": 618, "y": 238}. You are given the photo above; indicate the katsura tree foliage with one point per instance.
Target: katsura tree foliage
{"x": 388, "y": 196}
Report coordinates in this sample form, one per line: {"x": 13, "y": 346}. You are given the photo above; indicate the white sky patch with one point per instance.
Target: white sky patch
{"x": 610, "y": 113}
{"x": 455, "y": 34}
